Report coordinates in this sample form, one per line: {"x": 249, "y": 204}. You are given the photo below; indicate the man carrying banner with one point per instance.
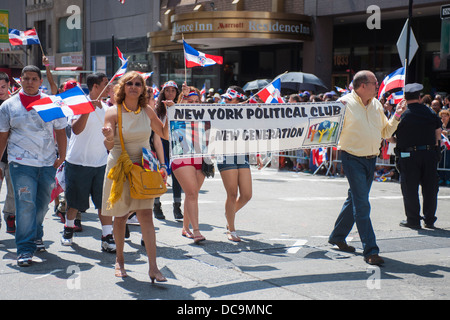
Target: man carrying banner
{"x": 364, "y": 126}
{"x": 32, "y": 160}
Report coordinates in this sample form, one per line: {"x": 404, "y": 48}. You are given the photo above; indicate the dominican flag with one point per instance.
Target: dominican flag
{"x": 396, "y": 97}
{"x": 149, "y": 160}
{"x": 393, "y": 82}
{"x": 252, "y": 100}
{"x": 123, "y": 68}
{"x": 155, "y": 91}
{"x": 194, "y": 58}
{"x": 319, "y": 155}
{"x": 122, "y": 1}
{"x": 445, "y": 141}
{"x": 23, "y": 38}
{"x": 271, "y": 93}
{"x": 60, "y": 182}
{"x": 68, "y": 103}
{"x": 203, "y": 93}
{"x": 145, "y": 75}
{"x": 341, "y": 90}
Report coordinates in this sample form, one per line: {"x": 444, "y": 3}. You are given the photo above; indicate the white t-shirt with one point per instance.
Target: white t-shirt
{"x": 87, "y": 148}
{"x": 31, "y": 141}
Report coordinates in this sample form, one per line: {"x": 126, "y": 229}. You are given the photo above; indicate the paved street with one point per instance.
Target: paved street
{"x": 284, "y": 254}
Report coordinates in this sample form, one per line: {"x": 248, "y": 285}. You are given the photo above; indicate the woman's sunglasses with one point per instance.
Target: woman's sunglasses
{"x": 130, "y": 83}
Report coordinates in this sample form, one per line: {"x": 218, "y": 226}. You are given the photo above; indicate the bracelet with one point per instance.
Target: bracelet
{"x": 48, "y": 64}
{"x": 109, "y": 140}
{"x": 163, "y": 165}
{"x": 397, "y": 115}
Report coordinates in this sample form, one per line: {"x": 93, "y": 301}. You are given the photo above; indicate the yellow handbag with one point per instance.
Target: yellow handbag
{"x": 144, "y": 184}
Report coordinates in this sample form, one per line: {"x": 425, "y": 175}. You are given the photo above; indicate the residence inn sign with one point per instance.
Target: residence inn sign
{"x": 233, "y": 29}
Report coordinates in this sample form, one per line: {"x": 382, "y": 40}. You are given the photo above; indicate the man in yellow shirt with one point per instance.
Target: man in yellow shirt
{"x": 365, "y": 125}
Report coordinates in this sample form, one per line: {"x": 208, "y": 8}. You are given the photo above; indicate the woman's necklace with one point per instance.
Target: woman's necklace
{"x": 128, "y": 110}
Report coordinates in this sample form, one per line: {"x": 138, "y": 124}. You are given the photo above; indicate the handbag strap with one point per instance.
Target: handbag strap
{"x": 119, "y": 115}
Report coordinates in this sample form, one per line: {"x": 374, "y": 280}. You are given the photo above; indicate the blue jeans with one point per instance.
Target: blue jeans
{"x": 32, "y": 193}
{"x": 356, "y": 209}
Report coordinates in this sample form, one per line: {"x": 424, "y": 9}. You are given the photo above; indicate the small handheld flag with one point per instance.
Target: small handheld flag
{"x": 393, "y": 82}
{"x": 68, "y": 103}
{"x": 271, "y": 93}
{"x": 23, "y": 38}
{"x": 123, "y": 68}
{"x": 445, "y": 141}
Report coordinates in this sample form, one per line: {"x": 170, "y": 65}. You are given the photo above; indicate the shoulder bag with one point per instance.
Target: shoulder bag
{"x": 144, "y": 184}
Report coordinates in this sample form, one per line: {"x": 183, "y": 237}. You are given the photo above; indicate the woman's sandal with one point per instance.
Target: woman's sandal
{"x": 120, "y": 271}
{"x": 158, "y": 277}
{"x": 187, "y": 233}
{"x": 232, "y": 236}
{"x": 198, "y": 239}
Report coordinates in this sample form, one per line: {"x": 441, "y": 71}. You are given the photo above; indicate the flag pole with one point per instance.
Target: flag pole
{"x": 406, "y": 70}
{"x": 184, "y": 57}
{"x": 104, "y": 89}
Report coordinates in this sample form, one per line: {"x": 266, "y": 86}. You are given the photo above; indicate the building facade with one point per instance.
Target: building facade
{"x": 258, "y": 39}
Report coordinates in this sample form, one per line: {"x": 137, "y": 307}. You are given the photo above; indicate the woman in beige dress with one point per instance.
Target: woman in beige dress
{"x": 138, "y": 119}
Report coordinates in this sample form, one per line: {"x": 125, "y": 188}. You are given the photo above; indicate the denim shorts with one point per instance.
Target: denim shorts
{"x": 233, "y": 162}
{"x": 82, "y": 182}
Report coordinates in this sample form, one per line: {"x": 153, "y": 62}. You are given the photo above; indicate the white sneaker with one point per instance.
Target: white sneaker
{"x": 67, "y": 237}
{"x": 108, "y": 244}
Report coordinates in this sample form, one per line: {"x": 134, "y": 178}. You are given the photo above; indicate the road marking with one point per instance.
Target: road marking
{"x": 49, "y": 274}
{"x": 298, "y": 244}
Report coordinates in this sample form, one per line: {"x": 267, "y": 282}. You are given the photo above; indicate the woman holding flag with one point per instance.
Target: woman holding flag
{"x": 138, "y": 117}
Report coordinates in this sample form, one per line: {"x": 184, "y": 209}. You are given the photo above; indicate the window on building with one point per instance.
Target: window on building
{"x": 70, "y": 40}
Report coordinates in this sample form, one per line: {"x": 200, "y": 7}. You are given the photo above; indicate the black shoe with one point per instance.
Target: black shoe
{"x": 406, "y": 224}
{"x": 77, "y": 227}
{"x": 108, "y": 244}
{"x": 343, "y": 246}
{"x": 40, "y": 247}
{"x": 374, "y": 259}
{"x": 157, "y": 211}
{"x": 430, "y": 226}
{"x": 177, "y": 214}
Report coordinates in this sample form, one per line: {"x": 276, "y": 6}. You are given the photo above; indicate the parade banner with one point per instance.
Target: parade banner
{"x": 226, "y": 129}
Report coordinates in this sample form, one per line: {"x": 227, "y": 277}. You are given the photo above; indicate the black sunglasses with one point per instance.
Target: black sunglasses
{"x": 130, "y": 83}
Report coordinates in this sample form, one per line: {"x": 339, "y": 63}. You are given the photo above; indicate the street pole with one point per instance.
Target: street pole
{"x": 408, "y": 35}
{"x": 112, "y": 56}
